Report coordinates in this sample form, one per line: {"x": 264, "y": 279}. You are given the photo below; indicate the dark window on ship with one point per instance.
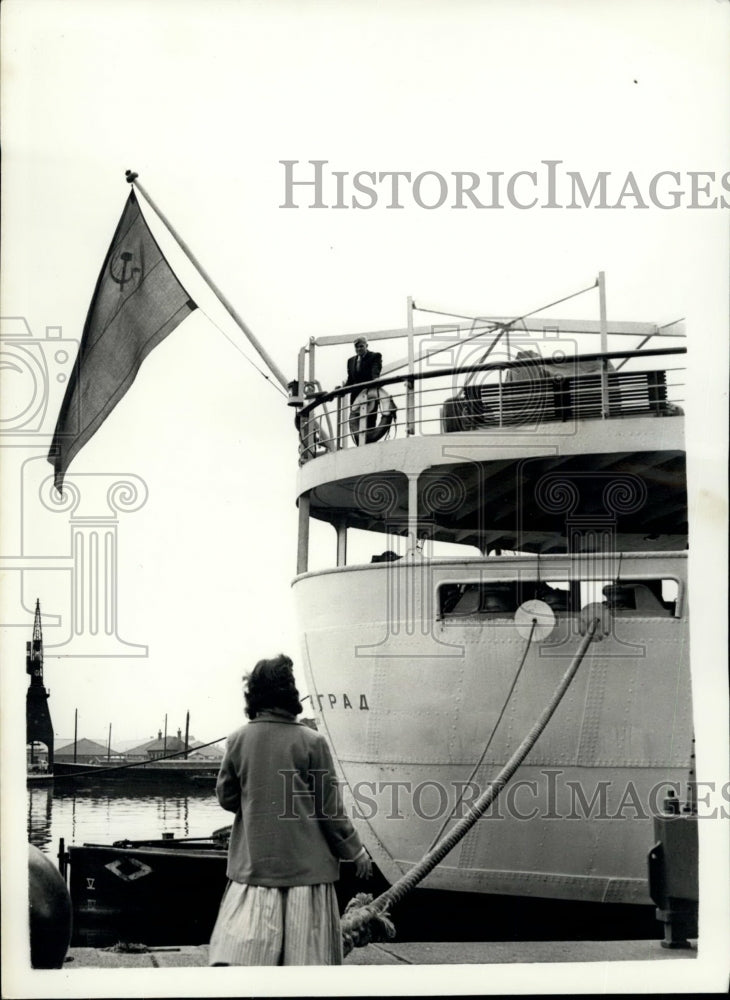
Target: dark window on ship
{"x": 640, "y": 598}
{"x": 502, "y": 598}
{"x": 655, "y": 598}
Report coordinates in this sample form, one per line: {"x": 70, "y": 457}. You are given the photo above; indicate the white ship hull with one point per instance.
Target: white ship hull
{"x": 415, "y": 700}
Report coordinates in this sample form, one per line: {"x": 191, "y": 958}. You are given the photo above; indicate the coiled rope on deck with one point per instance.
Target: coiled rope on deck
{"x": 366, "y": 920}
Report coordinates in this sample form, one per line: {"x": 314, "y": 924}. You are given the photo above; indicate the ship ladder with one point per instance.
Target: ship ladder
{"x": 366, "y": 920}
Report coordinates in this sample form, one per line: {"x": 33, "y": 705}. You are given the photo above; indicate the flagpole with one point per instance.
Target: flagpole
{"x": 133, "y": 179}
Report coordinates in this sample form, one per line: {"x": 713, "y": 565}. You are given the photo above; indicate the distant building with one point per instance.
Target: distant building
{"x": 87, "y": 752}
{"x": 212, "y": 753}
{"x": 124, "y": 746}
{"x": 161, "y": 747}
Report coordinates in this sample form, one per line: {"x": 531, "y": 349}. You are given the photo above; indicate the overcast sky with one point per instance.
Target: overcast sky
{"x": 204, "y": 100}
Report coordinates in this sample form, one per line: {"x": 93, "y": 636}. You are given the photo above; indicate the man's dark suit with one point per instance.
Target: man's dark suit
{"x": 371, "y": 364}
{"x": 364, "y": 368}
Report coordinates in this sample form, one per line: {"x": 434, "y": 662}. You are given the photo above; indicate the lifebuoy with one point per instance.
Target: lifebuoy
{"x": 369, "y": 404}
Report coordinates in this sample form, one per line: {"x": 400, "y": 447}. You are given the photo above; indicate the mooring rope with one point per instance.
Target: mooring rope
{"x": 366, "y": 920}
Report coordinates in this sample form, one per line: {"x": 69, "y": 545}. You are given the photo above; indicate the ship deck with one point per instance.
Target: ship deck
{"x": 463, "y": 454}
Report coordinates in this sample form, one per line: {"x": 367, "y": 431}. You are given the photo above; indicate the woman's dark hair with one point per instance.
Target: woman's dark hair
{"x": 271, "y": 685}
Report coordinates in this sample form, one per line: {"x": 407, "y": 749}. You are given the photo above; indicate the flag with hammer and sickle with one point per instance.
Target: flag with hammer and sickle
{"x": 137, "y": 302}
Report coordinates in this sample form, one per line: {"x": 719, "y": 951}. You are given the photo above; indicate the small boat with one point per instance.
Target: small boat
{"x": 155, "y": 892}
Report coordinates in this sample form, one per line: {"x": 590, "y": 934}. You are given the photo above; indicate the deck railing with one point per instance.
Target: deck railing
{"x": 515, "y": 394}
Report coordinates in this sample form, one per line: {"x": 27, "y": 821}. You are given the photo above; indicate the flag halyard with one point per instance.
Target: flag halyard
{"x": 137, "y": 302}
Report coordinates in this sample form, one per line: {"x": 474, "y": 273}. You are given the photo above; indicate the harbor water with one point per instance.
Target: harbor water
{"x": 102, "y": 815}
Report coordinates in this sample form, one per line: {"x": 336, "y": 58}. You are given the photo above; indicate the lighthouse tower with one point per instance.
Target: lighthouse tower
{"x": 38, "y": 725}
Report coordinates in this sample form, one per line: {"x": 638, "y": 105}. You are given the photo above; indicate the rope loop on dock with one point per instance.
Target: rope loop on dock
{"x": 363, "y": 924}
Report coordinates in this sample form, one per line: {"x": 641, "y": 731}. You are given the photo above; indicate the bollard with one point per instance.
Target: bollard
{"x": 673, "y": 883}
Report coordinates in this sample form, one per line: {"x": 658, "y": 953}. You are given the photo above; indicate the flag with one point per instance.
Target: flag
{"x": 136, "y": 303}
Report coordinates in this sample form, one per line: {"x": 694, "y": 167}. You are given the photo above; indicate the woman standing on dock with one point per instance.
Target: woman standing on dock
{"x": 288, "y": 836}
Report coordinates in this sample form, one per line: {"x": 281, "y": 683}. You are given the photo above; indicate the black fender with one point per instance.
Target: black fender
{"x": 49, "y": 902}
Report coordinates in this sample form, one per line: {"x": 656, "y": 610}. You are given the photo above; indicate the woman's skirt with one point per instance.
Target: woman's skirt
{"x": 258, "y": 925}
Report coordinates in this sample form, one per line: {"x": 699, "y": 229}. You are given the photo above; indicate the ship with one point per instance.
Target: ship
{"x": 511, "y": 478}
{"x": 510, "y": 485}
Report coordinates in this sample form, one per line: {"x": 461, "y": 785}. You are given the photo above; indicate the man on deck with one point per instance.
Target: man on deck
{"x": 365, "y": 366}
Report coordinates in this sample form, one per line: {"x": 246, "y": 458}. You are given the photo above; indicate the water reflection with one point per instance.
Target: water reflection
{"x": 102, "y": 815}
{"x": 40, "y": 808}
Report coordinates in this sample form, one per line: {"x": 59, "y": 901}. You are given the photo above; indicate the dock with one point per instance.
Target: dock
{"x": 409, "y": 953}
